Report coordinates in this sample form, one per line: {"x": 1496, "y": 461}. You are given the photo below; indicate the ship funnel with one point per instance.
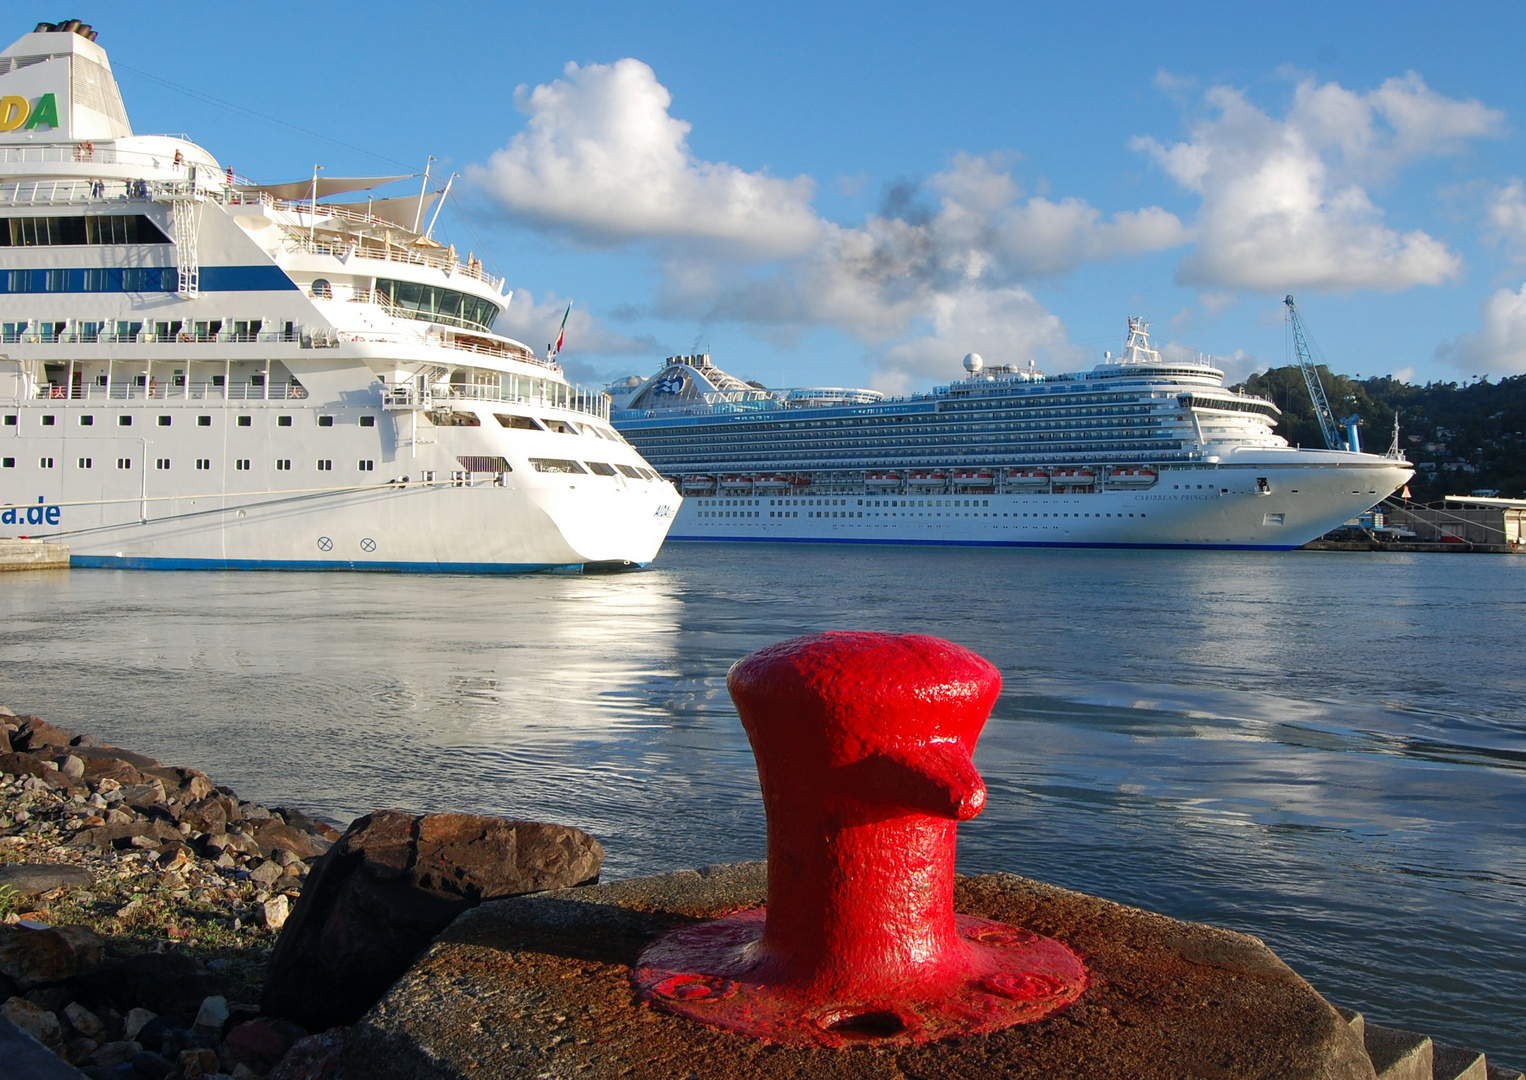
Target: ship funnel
{"x": 59, "y": 88}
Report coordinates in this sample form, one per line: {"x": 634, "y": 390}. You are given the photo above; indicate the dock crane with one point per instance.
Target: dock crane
{"x": 1322, "y": 412}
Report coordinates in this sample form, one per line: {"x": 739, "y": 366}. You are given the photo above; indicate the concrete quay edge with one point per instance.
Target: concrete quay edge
{"x": 33, "y": 555}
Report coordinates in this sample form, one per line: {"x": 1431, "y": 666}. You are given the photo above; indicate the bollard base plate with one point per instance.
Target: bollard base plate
{"x": 1007, "y": 976}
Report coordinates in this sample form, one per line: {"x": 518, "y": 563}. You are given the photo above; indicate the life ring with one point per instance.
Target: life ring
{"x": 58, "y": 392}
{"x": 293, "y": 391}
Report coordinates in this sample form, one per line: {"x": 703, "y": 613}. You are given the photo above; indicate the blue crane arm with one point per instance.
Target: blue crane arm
{"x": 1322, "y": 411}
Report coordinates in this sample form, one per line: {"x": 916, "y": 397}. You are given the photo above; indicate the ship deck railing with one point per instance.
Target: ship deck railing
{"x": 171, "y": 391}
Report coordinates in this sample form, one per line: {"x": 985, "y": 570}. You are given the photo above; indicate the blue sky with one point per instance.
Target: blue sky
{"x": 860, "y": 194}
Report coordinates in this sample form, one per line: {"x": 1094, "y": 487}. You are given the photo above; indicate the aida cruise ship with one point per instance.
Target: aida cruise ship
{"x": 1137, "y": 452}
{"x": 198, "y": 371}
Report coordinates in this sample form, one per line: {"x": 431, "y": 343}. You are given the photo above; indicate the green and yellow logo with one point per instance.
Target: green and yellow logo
{"x": 18, "y": 112}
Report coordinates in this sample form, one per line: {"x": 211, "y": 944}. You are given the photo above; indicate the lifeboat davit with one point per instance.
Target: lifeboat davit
{"x": 1132, "y": 476}
{"x": 697, "y": 485}
{"x": 1027, "y": 478}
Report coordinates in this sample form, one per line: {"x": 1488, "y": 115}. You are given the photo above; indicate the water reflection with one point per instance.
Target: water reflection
{"x": 1325, "y": 751}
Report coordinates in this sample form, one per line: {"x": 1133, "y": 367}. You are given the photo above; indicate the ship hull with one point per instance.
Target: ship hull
{"x": 1224, "y": 506}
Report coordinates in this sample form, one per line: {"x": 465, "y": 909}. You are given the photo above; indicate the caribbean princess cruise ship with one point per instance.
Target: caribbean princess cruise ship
{"x": 198, "y": 371}
{"x": 1137, "y": 452}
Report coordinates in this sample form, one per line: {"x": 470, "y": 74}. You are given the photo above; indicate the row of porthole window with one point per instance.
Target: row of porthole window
{"x": 203, "y": 464}
{"x": 204, "y": 420}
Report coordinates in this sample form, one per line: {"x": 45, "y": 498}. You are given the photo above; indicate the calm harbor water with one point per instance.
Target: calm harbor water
{"x": 1325, "y": 750}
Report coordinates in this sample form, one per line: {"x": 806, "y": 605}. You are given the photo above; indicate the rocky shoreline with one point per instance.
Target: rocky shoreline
{"x": 155, "y": 925}
{"x": 141, "y": 904}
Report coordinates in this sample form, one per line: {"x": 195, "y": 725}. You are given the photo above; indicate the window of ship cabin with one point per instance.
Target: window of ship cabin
{"x": 45, "y": 463}
{"x": 322, "y": 289}
{"x": 203, "y": 421}
{"x": 241, "y": 465}
{"x": 245, "y": 421}
{"x": 256, "y": 380}
{"x": 49, "y": 420}
{"x": 10, "y": 419}
{"x": 283, "y": 464}
{"x": 325, "y": 421}
{"x": 217, "y": 380}
{"x": 86, "y": 463}
{"x": 124, "y": 421}
{"x": 368, "y": 421}
{"x": 204, "y": 464}
{"x": 86, "y": 421}
{"x": 524, "y": 423}
{"x": 556, "y": 465}
{"x": 325, "y": 465}
{"x": 283, "y": 421}
{"x": 162, "y": 463}
{"x": 208, "y": 331}
{"x": 247, "y": 329}
{"x": 8, "y": 463}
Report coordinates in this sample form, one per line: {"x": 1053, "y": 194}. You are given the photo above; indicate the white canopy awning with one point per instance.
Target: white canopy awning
{"x": 327, "y": 185}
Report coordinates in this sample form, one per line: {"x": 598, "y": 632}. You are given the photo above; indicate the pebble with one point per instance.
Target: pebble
{"x": 275, "y": 911}
{"x": 213, "y": 1014}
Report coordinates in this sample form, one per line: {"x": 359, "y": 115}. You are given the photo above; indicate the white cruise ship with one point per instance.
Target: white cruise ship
{"x": 199, "y": 372}
{"x": 1137, "y": 452}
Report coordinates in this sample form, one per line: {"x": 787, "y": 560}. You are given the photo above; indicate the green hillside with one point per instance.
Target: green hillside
{"x": 1461, "y": 438}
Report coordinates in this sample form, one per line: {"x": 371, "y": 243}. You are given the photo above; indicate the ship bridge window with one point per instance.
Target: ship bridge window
{"x": 524, "y": 423}
{"x": 565, "y": 427}
{"x": 412, "y": 300}
{"x": 630, "y": 472}
{"x": 601, "y": 469}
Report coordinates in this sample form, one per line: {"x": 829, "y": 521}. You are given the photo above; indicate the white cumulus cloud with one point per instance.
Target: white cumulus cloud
{"x": 1499, "y": 347}
{"x": 601, "y": 158}
{"x": 1284, "y": 204}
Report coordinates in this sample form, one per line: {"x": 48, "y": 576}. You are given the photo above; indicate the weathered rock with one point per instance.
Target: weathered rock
{"x": 71, "y": 766}
{"x": 36, "y": 1021}
{"x": 18, "y": 764}
{"x": 540, "y": 986}
{"x": 83, "y": 1020}
{"x": 136, "y": 795}
{"x": 122, "y": 836}
{"x": 275, "y": 911}
{"x": 317, "y": 1057}
{"x": 34, "y": 879}
{"x": 391, "y": 883}
{"x": 115, "y": 1053}
{"x": 34, "y": 733}
{"x": 273, "y": 835}
{"x": 33, "y": 958}
{"x": 260, "y": 1044}
{"x": 197, "y": 1062}
{"x": 111, "y": 768}
{"x": 213, "y": 1013}
{"x": 133, "y": 1022}
{"x": 268, "y": 872}
{"x": 206, "y": 815}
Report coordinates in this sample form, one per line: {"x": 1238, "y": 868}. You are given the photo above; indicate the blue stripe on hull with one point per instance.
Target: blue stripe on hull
{"x": 977, "y": 543}
{"x": 120, "y": 562}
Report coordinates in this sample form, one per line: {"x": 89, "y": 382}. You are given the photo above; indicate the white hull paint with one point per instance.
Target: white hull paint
{"x": 1213, "y": 506}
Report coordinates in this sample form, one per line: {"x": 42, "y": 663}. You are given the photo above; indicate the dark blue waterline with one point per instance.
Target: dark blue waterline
{"x": 984, "y": 543}
{"x": 128, "y": 562}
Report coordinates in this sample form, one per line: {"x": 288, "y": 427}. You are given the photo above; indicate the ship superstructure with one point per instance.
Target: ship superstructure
{"x": 201, "y": 371}
{"x": 1138, "y": 451}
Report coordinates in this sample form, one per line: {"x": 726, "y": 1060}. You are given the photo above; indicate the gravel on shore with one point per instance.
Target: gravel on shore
{"x": 169, "y": 890}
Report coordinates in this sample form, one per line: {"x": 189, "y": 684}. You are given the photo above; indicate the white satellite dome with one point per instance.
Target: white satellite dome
{"x": 973, "y": 362}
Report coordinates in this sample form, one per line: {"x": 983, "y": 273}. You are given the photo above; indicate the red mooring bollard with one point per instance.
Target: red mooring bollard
{"x": 863, "y": 745}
